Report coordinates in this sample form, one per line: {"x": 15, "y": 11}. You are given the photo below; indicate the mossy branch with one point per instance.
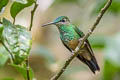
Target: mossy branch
{"x": 99, "y": 17}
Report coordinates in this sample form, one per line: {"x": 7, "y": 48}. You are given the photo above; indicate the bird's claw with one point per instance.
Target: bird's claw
{"x": 73, "y": 52}
{"x": 80, "y": 39}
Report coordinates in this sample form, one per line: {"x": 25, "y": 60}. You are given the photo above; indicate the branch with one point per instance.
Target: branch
{"x": 32, "y": 15}
{"x": 31, "y": 24}
{"x": 103, "y": 10}
{"x": 27, "y": 69}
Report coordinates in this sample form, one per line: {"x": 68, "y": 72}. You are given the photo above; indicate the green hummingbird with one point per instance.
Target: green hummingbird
{"x": 70, "y": 35}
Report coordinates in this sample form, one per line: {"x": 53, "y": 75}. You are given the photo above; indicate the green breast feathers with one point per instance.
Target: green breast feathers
{"x": 68, "y": 33}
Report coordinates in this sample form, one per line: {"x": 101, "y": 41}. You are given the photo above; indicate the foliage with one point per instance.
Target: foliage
{"x": 3, "y": 3}
{"x": 22, "y": 70}
{"x": 16, "y": 39}
{"x": 1, "y": 30}
{"x": 17, "y": 7}
{"x": 4, "y": 56}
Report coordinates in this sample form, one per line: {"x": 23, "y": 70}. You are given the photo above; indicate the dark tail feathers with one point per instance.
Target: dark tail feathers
{"x": 92, "y": 64}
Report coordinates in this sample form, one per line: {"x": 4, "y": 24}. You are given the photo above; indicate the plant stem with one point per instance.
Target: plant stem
{"x": 103, "y": 10}
{"x": 32, "y": 15}
{"x": 27, "y": 69}
{"x": 14, "y": 21}
{"x": 31, "y": 24}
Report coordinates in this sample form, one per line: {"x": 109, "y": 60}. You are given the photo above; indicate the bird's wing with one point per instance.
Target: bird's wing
{"x": 66, "y": 45}
{"x": 89, "y": 47}
{"x": 91, "y": 63}
{"x": 81, "y": 34}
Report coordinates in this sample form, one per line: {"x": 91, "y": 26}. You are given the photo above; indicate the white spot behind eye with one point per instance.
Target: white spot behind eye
{"x": 65, "y": 20}
{"x": 62, "y": 22}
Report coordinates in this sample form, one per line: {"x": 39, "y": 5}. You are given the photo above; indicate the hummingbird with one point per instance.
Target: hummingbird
{"x": 70, "y": 35}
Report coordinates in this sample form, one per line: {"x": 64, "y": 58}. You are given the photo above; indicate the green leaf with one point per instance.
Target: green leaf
{"x": 22, "y": 70}
{"x": 4, "y": 56}
{"x": 18, "y": 39}
{"x": 1, "y": 31}
{"x": 17, "y": 7}
{"x": 3, "y": 3}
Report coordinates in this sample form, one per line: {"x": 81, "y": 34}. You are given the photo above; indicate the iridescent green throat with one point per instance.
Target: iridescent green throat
{"x": 67, "y": 33}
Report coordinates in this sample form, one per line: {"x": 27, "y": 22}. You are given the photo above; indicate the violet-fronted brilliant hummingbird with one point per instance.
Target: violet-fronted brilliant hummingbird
{"x": 70, "y": 35}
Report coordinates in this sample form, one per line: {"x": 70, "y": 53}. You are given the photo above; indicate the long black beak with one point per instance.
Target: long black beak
{"x": 50, "y": 23}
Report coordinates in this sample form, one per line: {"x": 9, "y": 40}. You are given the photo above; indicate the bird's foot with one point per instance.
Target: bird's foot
{"x": 80, "y": 39}
{"x": 73, "y": 52}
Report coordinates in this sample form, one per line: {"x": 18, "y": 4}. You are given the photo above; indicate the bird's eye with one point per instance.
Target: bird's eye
{"x": 64, "y": 20}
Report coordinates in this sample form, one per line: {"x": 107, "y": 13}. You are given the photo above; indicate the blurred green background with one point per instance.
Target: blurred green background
{"x": 48, "y": 53}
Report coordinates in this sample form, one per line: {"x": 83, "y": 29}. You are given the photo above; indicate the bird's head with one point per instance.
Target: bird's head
{"x": 62, "y": 20}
